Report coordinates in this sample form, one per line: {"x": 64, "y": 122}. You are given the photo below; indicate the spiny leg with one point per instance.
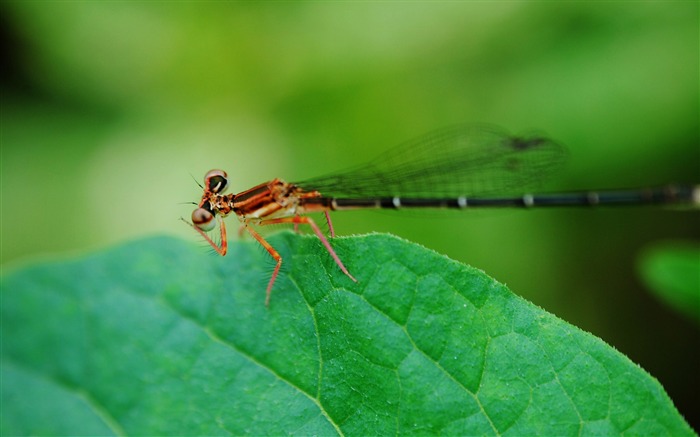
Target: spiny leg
{"x": 330, "y": 224}
{"x": 221, "y": 250}
{"x": 328, "y": 220}
{"x": 275, "y": 255}
{"x": 319, "y": 234}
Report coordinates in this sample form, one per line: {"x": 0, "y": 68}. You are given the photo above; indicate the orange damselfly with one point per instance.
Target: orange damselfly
{"x": 460, "y": 167}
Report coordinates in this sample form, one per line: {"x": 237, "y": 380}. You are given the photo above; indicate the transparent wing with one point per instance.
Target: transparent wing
{"x": 463, "y": 160}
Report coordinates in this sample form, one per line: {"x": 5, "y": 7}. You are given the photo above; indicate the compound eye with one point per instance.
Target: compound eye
{"x": 203, "y": 219}
{"x": 216, "y": 181}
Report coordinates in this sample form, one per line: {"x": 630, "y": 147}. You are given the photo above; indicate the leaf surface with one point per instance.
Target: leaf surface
{"x": 158, "y": 337}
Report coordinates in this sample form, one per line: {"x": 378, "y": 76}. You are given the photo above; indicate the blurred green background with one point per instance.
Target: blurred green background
{"x": 109, "y": 109}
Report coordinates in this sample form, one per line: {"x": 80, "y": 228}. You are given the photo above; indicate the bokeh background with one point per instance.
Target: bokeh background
{"x": 110, "y": 109}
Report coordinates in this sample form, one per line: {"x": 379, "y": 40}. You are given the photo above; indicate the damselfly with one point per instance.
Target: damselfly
{"x": 461, "y": 167}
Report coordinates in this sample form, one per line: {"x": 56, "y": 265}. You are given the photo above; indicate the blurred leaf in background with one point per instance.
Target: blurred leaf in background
{"x": 109, "y": 110}
{"x": 672, "y": 272}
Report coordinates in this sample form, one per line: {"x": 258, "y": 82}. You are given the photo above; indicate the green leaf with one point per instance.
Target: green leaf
{"x": 159, "y": 337}
{"x": 672, "y": 272}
